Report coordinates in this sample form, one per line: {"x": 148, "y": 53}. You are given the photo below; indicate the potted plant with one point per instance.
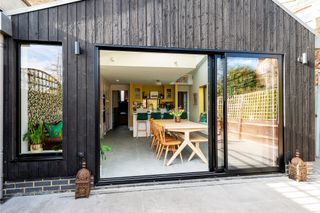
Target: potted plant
{"x": 35, "y": 136}
{"x": 104, "y": 149}
{"x": 177, "y": 115}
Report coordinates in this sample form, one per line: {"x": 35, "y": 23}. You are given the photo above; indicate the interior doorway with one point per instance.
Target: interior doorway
{"x": 119, "y": 108}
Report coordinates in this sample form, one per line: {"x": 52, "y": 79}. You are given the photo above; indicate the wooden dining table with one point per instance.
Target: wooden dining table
{"x": 186, "y": 127}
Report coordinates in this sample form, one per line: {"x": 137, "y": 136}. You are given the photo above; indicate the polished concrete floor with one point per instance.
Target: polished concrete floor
{"x": 133, "y": 156}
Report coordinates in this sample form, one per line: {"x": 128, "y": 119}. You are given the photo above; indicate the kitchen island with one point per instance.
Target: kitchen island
{"x": 142, "y": 125}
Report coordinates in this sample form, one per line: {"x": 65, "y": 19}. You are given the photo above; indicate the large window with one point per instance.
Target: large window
{"x": 41, "y": 80}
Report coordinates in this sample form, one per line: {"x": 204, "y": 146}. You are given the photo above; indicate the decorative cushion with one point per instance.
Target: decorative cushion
{"x": 54, "y": 130}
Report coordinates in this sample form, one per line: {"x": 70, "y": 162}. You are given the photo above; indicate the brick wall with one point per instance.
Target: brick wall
{"x": 40, "y": 186}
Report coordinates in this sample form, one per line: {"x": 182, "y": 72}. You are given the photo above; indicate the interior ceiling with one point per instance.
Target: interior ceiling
{"x": 119, "y": 67}
{"x": 306, "y": 10}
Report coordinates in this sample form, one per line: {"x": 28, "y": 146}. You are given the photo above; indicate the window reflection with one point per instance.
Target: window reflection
{"x": 41, "y": 98}
{"x": 252, "y": 112}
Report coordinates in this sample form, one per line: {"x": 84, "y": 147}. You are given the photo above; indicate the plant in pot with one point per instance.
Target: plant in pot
{"x": 104, "y": 149}
{"x": 35, "y": 136}
{"x": 177, "y": 115}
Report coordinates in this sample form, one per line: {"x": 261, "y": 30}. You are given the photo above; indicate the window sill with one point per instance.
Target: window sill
{"x": 50, "y": 156}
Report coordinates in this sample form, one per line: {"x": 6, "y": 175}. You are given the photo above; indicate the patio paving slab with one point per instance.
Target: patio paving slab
{"x": 264, "y": 193}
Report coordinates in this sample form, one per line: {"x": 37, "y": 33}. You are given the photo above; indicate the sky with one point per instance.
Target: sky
{"x": 41, "y": 57}
{"x": 237, "y": 61}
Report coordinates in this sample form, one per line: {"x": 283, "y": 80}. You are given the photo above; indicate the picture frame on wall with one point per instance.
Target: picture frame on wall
{"x": 154, "y": 94}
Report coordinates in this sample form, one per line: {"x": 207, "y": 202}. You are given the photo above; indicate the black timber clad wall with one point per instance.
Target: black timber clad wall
{"x": 258, "y": 25}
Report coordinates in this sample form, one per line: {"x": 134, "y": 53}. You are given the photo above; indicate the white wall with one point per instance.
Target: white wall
{"x": 200, "y": 78}
{"x": 104, "y": 89}
{"x": 24, "y": 109}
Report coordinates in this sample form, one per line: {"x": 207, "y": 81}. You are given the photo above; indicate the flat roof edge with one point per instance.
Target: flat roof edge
{"x": 5, "y": 24}
{"x": 38, "y": 7}
{"x": 295, "y": 17}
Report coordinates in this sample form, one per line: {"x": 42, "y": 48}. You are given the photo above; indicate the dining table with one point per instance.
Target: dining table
{"x": 185, "y": 127}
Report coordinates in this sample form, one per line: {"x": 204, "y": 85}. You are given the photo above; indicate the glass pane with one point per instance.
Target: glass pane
{"x": 252, "y": 106}
{"x": 41, "y": 98}
{"x": 220, "y": 118}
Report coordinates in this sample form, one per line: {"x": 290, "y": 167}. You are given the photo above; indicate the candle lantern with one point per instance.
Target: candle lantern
{"x": 297, "y": 168}
{"x": 83, "y": 180}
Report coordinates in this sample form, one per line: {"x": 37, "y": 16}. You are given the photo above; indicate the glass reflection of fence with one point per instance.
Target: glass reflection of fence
{"x": 44, "y": 97}
{"x": 260, "y": 105}
{"x": 41, "y": 81}
{"x": 252, "y": 116}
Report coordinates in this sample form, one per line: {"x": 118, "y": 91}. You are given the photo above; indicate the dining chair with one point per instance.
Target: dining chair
{"x": 156, "y": 137}
{"x": 167, "y": 145}
{"x": 153, "y": 133}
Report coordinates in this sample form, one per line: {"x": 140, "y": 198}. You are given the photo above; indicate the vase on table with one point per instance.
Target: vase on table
{"x": 177, "y": 119}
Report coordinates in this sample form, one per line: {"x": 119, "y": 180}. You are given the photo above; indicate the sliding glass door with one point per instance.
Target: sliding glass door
{"x": 249, "y": 111}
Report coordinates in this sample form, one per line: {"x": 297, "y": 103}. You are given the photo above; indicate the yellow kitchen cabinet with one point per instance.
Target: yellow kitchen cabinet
{"x": 169, "y": 93}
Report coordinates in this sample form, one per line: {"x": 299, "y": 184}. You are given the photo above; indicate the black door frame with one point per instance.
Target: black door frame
{"x": 280, "y": 110}
{"x": 213, "y": 170}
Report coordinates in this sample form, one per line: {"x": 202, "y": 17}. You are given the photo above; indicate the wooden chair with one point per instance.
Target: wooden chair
{"x": 196, "y": 139}
{"x": 155, "y": 137}
{"x": 152, "y": 133}
{"x": 167, "y": 145}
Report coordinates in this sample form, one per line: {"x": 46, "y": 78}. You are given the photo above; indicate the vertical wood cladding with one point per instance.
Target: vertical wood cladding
{"x": 210, "y": 24}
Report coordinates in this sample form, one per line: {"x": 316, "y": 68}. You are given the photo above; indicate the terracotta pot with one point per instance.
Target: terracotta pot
{"x": 177, "y": 119}
{"x": 36, "y": 148}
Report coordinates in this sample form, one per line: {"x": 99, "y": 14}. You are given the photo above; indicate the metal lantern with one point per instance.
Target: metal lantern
{"x": 83, "y": 180}
{"x": 297, "y": 168}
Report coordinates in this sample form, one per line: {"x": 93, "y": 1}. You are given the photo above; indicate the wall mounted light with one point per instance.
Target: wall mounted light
{"x": 303, "y": 59}
{"x": 77, "y": 48}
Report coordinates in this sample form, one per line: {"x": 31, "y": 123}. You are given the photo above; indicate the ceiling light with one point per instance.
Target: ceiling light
{"x": 158, "y": 82}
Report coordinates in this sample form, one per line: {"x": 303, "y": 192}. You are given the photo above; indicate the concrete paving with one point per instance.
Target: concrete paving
{"x": 267, "y": 193}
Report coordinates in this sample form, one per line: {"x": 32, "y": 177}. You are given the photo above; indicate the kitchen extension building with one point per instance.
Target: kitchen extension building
{"x": 154, "y": 90}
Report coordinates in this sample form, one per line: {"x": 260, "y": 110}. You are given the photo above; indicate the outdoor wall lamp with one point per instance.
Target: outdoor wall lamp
{"x": 77, "y": 48}
{"x": 303, "y": 59}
